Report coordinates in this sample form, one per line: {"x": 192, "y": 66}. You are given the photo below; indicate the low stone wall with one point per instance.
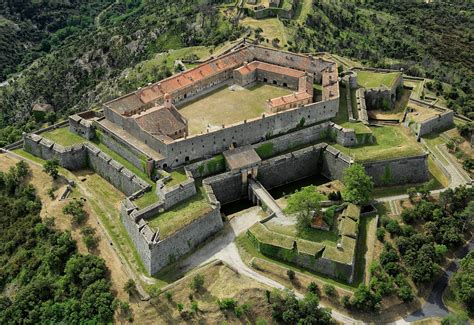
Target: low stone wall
{"x": 207, "y": 167}
{"x": 399, "y": 171}
{"x": 173, "y": 195}
{"x": 343, "y": 136}
{"x": 361, "y": 106}
{"x": 290, "y": 167}
{"x": 83, "y": 156}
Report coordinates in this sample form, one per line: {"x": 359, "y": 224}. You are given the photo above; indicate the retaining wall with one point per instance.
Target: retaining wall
{"x": 290, "y": 167}
{"x": 227, "y": 187}
{"x": 81, "y": 126}
{"x": 399, "y": 171}
{"x": 437, "y": 123}
{"x": 334, "y": 163}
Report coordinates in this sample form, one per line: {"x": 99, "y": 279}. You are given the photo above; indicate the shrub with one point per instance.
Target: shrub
{"x": 51, "y": 167}
{"x": 313, "y": 288}
{"x": 130, "y": 287}
{"x": 346, "y": 301}
{"x": 405, "y": 293}
{"x": 169, "y": 296}
{"x": 75, "y": 209}
{"x": 380, "y": 234}
{"x": 89, "y": 238}
{"x": 393, "y": 227}
{"x": 226, "y": 304}
{"x": 291, "y": 274}
{"x": 330, "y": 290}
{"x": 197, "y": 282}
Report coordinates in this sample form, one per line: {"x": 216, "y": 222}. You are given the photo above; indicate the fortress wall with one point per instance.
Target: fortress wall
{"x": 116, "y": 144}
{"x": 141, "y": 244}
{"x": 343, "y": 136}
{"x": 186, "y": 239}
{"x": 72, "y": 158}
{"x": 297, "y": 138}
{"x": 227, "y": 187}
{"x": 334, "y": 163}
{"x": 114, "y": 172}
{"x": 399, "y": 171}
{"x": 437, "y": 123}
{"x": 290, "y": 167}
{"x": 249, "y": 132}
{"x": 376, "y": 96}
{"x": 81, "y": 126}
{"x": 175, "y": 194}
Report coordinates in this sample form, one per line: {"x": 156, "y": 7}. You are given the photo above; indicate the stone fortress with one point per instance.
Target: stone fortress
{"x": 225, "y": 163}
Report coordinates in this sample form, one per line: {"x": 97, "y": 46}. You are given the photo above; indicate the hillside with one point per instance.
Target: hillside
{"x": 84, "y": 55}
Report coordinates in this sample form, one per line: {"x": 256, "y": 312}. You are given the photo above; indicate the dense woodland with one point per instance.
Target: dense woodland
{"x": 43, "y": 279}
{"x": 71, "y": 54}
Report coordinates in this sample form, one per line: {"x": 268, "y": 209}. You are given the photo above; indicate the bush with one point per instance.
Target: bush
{"x": 197, "y": 282}
{"x": 168, "y": 296}
{"x": 380, "y": 234}
{"x": 330, "y": 290}
{"x": 393, "y": 227}
{"x": 75, "y": 209}
{"x": 226, "y": 304}
{"x": 51, "y": 167}
{"x": 313, "y": 288}
{"x": 130, "y": 287}
{"x": 405, "y": 293}
{"x": 89, "y": 238}
{"x": 346, "y": 301}
{"x": 291, "y": 274}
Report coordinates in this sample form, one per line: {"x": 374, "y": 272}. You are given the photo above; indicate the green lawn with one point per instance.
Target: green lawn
{"x": 181, "y": 214}
{"x": 314, "y": 235}
{"x": 177, "y": 176}
{"x": 362, "y": 247}
{"x": 147, "y": 199}
{"x": 390, "y": 142}
{"x": 342, "y": 115}
{"x": 63, "y": 137}
{"x": 369, "y": 79}
{"x": 224, "y": 106}
{"x": 432, "y": 141}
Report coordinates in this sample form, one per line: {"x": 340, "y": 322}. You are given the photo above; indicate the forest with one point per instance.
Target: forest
{"x": 43, "y": 279}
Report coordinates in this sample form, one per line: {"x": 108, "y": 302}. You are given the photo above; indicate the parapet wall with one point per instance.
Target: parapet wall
{"x": 177, "y": 193}
{"x": 398, "y": 171}
{"x": 227, "y": 187}
{"x": 83, "y": 156}
{"x": 343, "y": 136}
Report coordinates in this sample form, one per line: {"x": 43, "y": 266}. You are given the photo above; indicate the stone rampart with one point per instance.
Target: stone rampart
{"x": 290, "y": 167}
{"x": 343, "y": 136}
{"x": 83, "y": 156}
{"x": 399, "y": 171}
{"x": 361, "y": 106}
{"x": 440, "y": 122}
{"x": 334, "y": 163}
{"x": 227, "y": 187}
{"x": 81, "y": 126}
{"x": 172, "y": 195}
{"x": 72, "y": 158}
{"x": 183, "y": 241}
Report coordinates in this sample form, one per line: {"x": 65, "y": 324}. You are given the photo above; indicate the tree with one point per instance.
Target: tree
{"x": 305, "y": 203}
{"x": 358, "y": 185}
{"x": 380, "y": 234}
{"x": 364, "y": 299}
{"x": 75, "y": 209}
{"x": 463, "y": 282}
{"x": 51, "y": 167}
{"x": 130, "y": 287}
{"x": 197, "y": 282}
{"x": 330, "y": 290}
{"x": 290, "y": 274}
{"x": 412, "y": 194}
{"x": 313, "y": 288}
{"x": 89, "y": 238}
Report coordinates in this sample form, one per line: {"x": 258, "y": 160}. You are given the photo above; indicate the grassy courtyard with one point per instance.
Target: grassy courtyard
{"x": 369, "y": 79}
{"x": 314, "y": 235}
{"x": 224, "y": 106}
{"x": 181, "y": 214}
{"x": 63, "y": 137}
{"x": 390, "y": 142}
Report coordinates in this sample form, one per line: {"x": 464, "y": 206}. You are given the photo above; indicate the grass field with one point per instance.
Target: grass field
{"x": 272, "y": 28}
{"x": 63, "y": 137}
{"x": 391, "y": 142}
{"x": 177, "y": 176}
{"x": 224, "y": 106}
{"x": 369, "y": 79}
{"x": 314, "y": 235}
{"x": 181, "y": 214}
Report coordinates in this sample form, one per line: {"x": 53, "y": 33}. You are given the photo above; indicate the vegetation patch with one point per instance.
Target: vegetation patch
{"x": 181, "y": 214}
{"x": 63, "y": 137}
{"x": 265, "y": 150}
